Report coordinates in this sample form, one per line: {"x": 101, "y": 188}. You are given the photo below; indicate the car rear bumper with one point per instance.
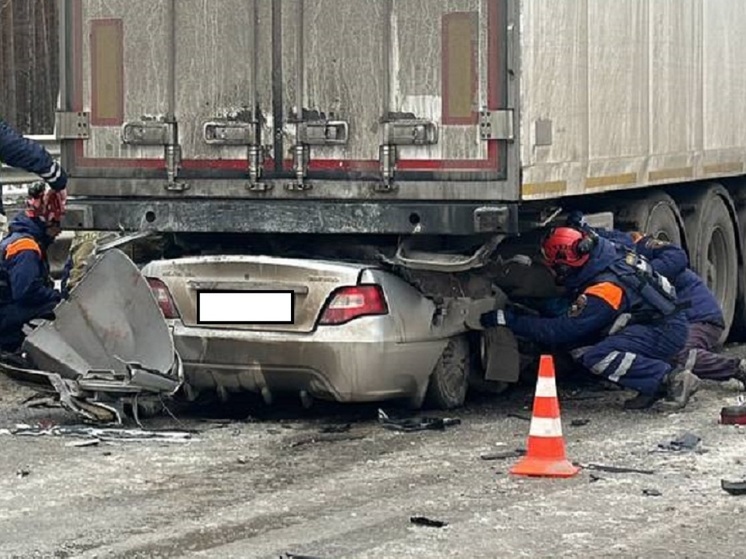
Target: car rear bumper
{"x": 328, "y": 363}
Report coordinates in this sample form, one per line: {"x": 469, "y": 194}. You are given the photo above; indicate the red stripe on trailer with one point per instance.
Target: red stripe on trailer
{"x": 494, "y": 93}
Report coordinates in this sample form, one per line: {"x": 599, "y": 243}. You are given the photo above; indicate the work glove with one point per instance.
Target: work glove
{"x": 481, "y": 307}
{"x": 493, "y": 319}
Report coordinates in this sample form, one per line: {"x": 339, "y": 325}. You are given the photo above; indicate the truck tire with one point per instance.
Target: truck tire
{"x": 656, "y": 215}
{"x": 712, "y": 248}
{"x": 449, "y": 380}
{"x": 738, "y": 330}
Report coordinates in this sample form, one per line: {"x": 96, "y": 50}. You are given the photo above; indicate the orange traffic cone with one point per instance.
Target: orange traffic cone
{"x": 545, "y": 456}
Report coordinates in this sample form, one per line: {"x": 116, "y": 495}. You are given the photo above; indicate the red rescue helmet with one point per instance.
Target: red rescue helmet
{"x": 566, "y": 246}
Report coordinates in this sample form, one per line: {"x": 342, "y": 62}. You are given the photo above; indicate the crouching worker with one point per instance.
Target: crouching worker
{"x": 26, "y": 289}
{"x": 706, "y": 322}
{"x": 624, "y": 324}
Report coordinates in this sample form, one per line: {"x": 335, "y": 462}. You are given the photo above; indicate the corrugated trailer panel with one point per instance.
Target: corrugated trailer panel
{"x": 628, "y": 93}
{"x": 362, "y": 66}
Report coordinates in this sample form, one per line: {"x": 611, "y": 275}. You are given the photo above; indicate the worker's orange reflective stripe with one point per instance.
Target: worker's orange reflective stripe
{"x": 608, "y": 292}
{"x": 20, "y": 245}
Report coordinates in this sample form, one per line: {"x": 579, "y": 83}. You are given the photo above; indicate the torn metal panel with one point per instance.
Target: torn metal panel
{"x": 110, "y": 320}
{"x": 108, "y": 345}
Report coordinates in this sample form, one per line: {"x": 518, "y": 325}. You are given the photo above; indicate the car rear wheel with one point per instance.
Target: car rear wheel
{"x": 449, "y": 380}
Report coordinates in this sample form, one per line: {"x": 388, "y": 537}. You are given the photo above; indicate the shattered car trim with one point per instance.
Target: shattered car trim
{"x": 108, "y": 346}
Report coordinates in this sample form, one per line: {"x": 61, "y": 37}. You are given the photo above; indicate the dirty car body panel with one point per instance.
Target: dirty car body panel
{"x": 367, "y": 358}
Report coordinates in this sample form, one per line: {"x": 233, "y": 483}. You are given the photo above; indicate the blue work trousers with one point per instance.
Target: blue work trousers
{"x": 639, "y": 356}
{"x": 13, "y": 316}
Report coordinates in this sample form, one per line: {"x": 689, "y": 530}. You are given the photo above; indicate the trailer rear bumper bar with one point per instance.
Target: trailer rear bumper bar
{"x": 279, "y": 216}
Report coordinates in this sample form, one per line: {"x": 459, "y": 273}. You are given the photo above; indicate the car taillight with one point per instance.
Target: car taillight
{"x": 163, "y": 296}
{"x": 347, "y": 303}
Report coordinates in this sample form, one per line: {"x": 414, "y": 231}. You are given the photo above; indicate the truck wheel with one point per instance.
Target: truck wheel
{"x": 449, "y": 380}
{"x": 656, "y": 215}
{"x": 738, "y": 330}
{"x": 712, "y": 249}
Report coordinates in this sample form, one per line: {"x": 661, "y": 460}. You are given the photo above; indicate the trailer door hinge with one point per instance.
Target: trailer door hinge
{"x": 496, "y": 125}
{"x": 72, "y": 125}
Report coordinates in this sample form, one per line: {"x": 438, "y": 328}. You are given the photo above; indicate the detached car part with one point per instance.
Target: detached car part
{"x": 108, "y": 346}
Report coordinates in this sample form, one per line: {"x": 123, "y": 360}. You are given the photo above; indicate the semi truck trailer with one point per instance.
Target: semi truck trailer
{"x": 433, "y": 136}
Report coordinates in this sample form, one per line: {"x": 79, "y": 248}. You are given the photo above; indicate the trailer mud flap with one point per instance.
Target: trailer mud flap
{"x": 501, "y": 355}
{"x": 108, "y": 345}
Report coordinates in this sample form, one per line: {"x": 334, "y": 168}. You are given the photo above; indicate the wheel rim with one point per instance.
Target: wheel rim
{"x": 716, "y": 264}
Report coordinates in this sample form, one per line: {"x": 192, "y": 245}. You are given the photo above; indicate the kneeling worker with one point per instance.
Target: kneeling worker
{"x": 26, "y": 288}
{"x": 624, "y": 324}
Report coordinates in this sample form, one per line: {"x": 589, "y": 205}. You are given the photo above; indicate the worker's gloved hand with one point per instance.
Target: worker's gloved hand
{"x": 493, "y": 319}
{"x": 481, "y": 307}
{"x": 576, "y": 219}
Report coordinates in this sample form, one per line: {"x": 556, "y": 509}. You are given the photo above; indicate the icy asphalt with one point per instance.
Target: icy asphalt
{"x": 305, "y": 483}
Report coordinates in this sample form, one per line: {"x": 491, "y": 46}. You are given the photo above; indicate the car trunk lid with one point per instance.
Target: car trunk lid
{"x": 310, "y": 282}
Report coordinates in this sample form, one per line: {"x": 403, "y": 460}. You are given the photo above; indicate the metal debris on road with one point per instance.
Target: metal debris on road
{"x": 505, "y": 454}
{"x": 100, "y": 434}
{"x": 687, "y": 441}
{"x": 652, "y": 493}
{"x": 424, "y": 521}
{"x": 613, "y": 469}
{"x": 734, "y": 487}
{"x": 410, "y": 424}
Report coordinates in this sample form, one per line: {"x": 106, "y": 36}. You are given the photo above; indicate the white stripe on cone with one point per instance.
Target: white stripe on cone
{"x": 546, "y": 388}
{"x": 545, "y": 427}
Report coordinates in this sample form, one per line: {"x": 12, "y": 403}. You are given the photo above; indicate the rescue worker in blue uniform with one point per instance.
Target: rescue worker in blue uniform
{"x": 706, "y": 322}
{"x": 26, "y": 289}
{"x": 624, "y": 324}
{"x": 24, "y": 153}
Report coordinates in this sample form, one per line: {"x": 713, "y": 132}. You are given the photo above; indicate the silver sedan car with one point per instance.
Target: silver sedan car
{"x": 353, "y": 332}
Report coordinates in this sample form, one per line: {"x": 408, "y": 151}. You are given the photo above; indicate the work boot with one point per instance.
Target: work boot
{"x": 642, "y": 401}
{"x": 741, "y": 373}
{"x": 680, "y": 385}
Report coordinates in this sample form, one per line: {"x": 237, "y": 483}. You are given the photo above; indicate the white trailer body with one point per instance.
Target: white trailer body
{"x": 466, "y": 120}
{"x": 630, "y": 93}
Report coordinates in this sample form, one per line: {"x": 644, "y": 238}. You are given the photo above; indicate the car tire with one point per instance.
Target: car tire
{"x": 449, "y": 380}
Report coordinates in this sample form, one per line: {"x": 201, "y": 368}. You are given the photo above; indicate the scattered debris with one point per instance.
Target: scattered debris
{"x": 99, "y": 434}
{"x": 613, "y": 469}
{"x": 336, "y": 428}
{"x": 48, "y": 402}
{"x": 504, "y": 454}
{"x": 651, "y": 493}
{"x": 594, "y": 477}
{"x": 520, "y": 416}
{"x": 23, "y": 473}
{"x": 324, "y": 438}
{"x": 87, "y": 442}
{"x": 294, "y": 556}
{"x": 423, "y": 521}
{"x": 410, "y": 424}
{"x": 734, "y": 487}
{"x": 687, "y": 441}
{"x": 579, "y": 422}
